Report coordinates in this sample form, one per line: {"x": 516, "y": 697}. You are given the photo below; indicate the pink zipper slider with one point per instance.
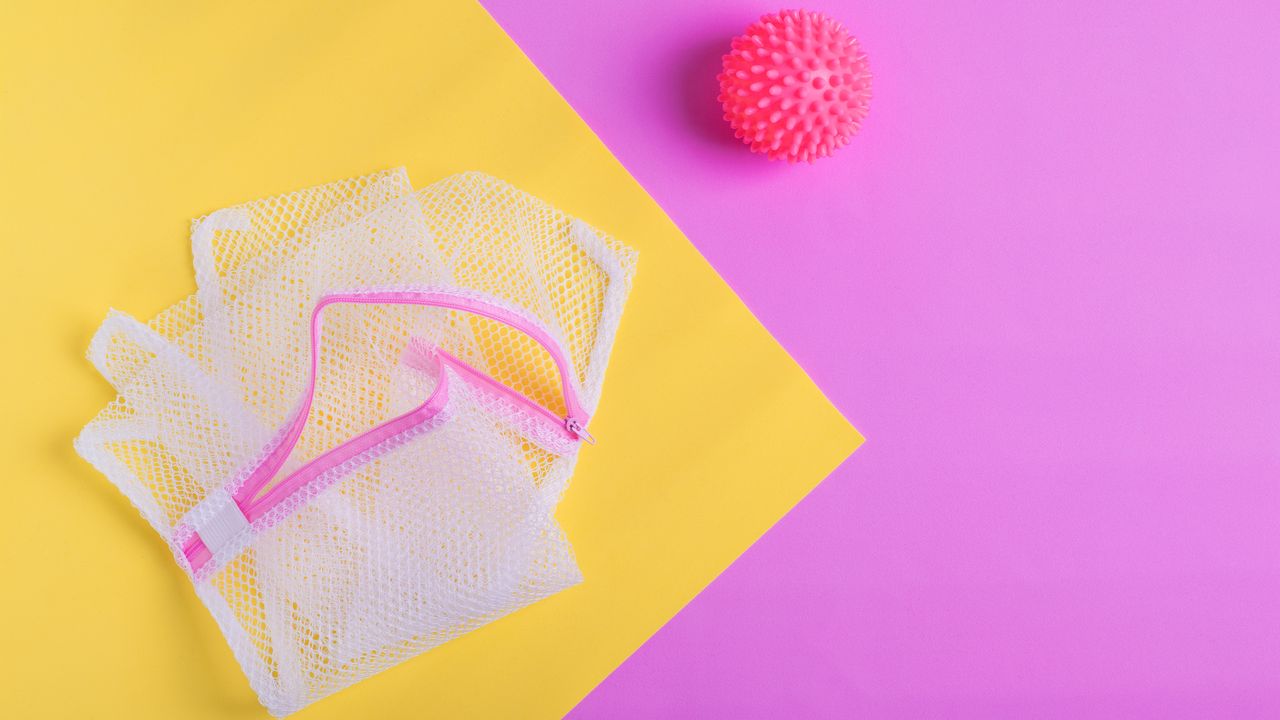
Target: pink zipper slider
{"x": 572, "y": 425}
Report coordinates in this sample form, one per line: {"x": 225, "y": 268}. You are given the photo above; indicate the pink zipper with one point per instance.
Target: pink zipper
{"x": 572, "y": 426}
{"x": 575, "y": 419}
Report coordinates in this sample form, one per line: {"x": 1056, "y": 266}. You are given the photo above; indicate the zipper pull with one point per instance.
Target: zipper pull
{"x": 575, "y": 427}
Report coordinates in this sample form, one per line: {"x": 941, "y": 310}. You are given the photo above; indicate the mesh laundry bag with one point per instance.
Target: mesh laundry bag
{"x": 353, "y": 436}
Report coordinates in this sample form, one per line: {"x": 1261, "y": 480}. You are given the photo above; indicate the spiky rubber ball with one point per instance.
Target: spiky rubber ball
{"x": 795, "y": 85}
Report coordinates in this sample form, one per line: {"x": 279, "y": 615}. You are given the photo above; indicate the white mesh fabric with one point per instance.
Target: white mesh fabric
{"x": 410, "y": 544}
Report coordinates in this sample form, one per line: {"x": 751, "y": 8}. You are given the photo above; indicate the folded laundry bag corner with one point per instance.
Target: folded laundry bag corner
{"x": 354, "y": 435}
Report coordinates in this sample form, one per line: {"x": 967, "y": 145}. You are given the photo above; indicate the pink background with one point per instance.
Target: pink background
{"x": 1045, "y": 283}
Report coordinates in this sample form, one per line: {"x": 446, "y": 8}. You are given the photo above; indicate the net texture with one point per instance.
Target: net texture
{"x": 406, "y": 546}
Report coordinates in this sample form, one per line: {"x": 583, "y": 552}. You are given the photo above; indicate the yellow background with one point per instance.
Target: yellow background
{"x": 119, "y": 122}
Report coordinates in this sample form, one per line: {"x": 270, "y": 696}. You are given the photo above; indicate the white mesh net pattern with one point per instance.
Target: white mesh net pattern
{"x": 407, "y": 545}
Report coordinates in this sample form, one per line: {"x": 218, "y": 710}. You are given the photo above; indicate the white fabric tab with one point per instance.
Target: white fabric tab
{"x": 218, "y": 521}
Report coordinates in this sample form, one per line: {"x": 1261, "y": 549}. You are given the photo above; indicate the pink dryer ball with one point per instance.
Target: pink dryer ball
{"x": 795, "y": 85}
